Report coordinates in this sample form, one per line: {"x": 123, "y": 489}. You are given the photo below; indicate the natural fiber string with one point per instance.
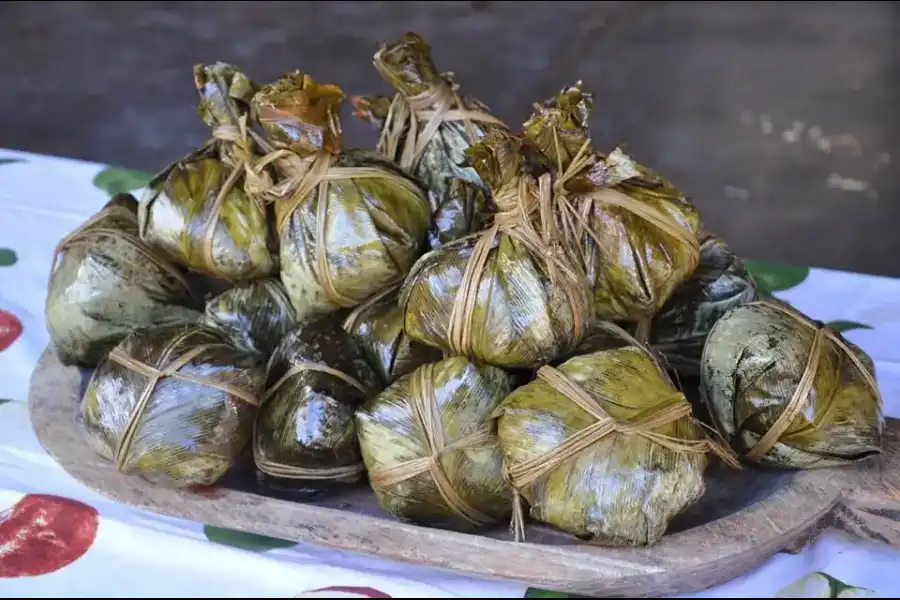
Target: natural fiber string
{"x": 643, "y": 425}
{"x": 427, "y": 413}
{"x": 353, "y": 318}
{"x": 154, "y": 375}
{"x": 517, "y": 202}
{"x": 798, "y": 399}
{"x": 436, "y": 105}
{"x": 87, "y": 232}
{"x": 295, "y": 472}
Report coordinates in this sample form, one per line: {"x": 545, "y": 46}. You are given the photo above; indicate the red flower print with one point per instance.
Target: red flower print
{"x": 10, "y": 329}
{"x": 44, "y": 533}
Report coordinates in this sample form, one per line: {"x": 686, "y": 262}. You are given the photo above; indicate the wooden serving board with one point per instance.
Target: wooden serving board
{"x": 745, "y": 518}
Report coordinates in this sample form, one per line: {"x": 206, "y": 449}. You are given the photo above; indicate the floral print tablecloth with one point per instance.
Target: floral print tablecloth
{"x": 58, "y": 538}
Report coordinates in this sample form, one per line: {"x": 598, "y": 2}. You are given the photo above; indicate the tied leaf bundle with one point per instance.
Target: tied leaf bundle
{"x": 513, "y": 295}
{"x": 605, "y": 447}
{"x": 639, "y": 232}
{"x": 426, "y": 128}
{"x": 720, "y": 283}
{"x": 430, "y": 446}
{"x": 205, "y": 210}
{"x": 105, "y": 283}
{"x": 255, "y": 315}
{"x": 174, "y": 405}
{"x": 789, "y": 392}
{"x": 305, "y": 436}
{"x": 377, "y": 328}
{"x": 349, "y": 223}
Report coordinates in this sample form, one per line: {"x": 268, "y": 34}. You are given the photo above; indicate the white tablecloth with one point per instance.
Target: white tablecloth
{"x": 58, "y": 538}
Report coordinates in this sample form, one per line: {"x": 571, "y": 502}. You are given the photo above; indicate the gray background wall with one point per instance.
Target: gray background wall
{"x": 780, "y": 119}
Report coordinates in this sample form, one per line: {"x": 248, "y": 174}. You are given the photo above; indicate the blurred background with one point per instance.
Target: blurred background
{"x": 781, "y": 120}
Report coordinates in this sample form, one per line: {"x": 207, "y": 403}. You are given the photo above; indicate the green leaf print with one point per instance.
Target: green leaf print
{"x": 9, "y": 161}
{"x": 539, "y": 593}
{"x": 114, "y": 180}
{"x": 245, "y": 541}
{"x": 846, "y": 325}
{"x": 771, "y": 277}
{"x": 8, "y": 257}
{"x": 822, "y": 585}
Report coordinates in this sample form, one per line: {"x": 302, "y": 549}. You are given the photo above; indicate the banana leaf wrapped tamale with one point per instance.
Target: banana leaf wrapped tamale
{"x": 430, "y": 446}
{"x": 174, "y": 405}
{"x": 105, "y": 283}
{"x": 349, "y": 223}
{"x": 513, "y": 295}
{"x": 256, "y": 315}
{"x": 305, "y": 438}
{"x": 789, "y": 392}
{"x": 426, "y": 128}
{"x": 377, "y": 328}
{"x": 640, "y": 240}
{"x": 720, "y": 283}
{"x": 205, "y": 211}
{"x": 605, "y": 447}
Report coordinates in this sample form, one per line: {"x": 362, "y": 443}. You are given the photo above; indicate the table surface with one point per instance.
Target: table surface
{"x": 58, "y": 538}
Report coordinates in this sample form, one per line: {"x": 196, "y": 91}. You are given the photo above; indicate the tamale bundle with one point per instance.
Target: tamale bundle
{"x": 305, "y": 438}
{"x": 430, "y": 446}
{"x": 513, "y": 295}
{"x": 640, "y": 240}
{"x": 377, "y": 328}
{"x": 105, "y": 283}
{"x": 256, "y": 315}
{"x": 788, "y": 392}
{"x": 720, "y": 283}
{"x": 426, "y": 128}
{"x": 205, "y": 210}
{"x": 350, "y": 223}
{"x": 174, "y": 405}
{"x": 605, "y": 447}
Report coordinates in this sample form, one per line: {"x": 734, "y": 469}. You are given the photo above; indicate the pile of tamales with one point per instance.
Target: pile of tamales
{"x": 486, "y": 324}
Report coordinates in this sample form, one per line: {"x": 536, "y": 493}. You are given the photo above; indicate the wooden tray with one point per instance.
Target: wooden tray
{"x": 744, "y": 519}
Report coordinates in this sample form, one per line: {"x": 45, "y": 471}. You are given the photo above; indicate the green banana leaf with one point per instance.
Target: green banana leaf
{"x": 720, "y": 283}
{"x": 195, "y": 422}
{"x": 256, "y": 315}
{"x": 305, "y": 440}
{"x": 107, "y": 283}
{"x": 633, "y": 264}
{"x": 460, "y": 201}
{"x": 624, "y": 489}
{"x": 753, "y": 361}
{"x": 353, "y": 231}
{"x": 459, "y": 396}
{"x": 198, "y": 209}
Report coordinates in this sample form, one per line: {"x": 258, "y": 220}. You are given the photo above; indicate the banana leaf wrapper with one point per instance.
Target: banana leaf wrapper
{"x": 788, "y": 392}
{"x": 105, "y": 283}
{"x": 504, "y": 296}
{"x": 350, "y": 223}
{"x": 720, "y": 283}
{"x": 305, "y": 441}
{"x": 202, "y": 210}
{"x": 426, "y": 128}
{"x": 442, "y": 410}
{"x": 581, "y": 471}
{"x": 174, "y": 405}
{"x": 377, "y": 328}
{"x": 641, "y": 239}
{"x": 255, "y": 315}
